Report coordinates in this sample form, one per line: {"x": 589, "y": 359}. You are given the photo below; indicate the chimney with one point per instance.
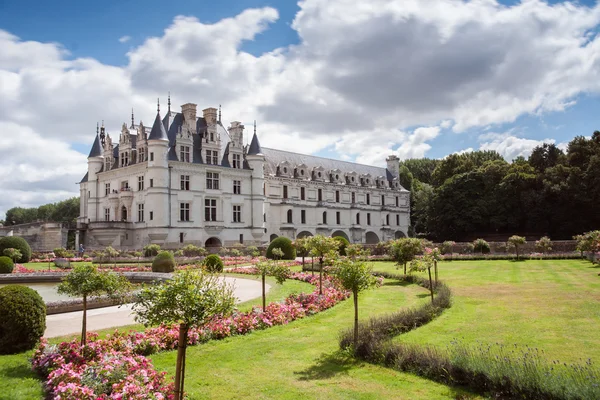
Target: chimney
{"x": 393, "y": 165}
{"x": 189, "y": 113}
{"x": 210, "y": 115}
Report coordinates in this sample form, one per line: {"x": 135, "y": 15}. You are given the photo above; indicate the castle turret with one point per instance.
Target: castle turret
{"x": 95, "y": 162}
{"x": 157, "y": 177}
{"x": 256, "y": 161}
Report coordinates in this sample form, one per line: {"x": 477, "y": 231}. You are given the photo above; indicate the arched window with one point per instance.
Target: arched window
{"x": 357, "y": 218}
{"x": 289, "y": 216}
{"x": 324, "y": 217}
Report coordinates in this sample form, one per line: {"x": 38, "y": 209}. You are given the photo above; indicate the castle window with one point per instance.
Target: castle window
{"x": 107, "y": 214}
{"x": 397, "y": 219}
{"x": 285, "y": 192}
{"x": 237, "y": 213}
{"x": 212, "y": 157}
{"x": 151, "y": 182}
{"x": 368, "y": 198}
{"x": 151, "y": 215}
{"x": 289, "y": 216}
{"x": 324, "y": 217}
{"x": 141, "y": 154}
{"x": 237, "y": 187}
{"x": 358, "y": 219}
{"x": 151, "y": 156}
{"x": 320, "y": 195}
{"x": 382, "y": 200}
{"x": 337, "y": 196}
{"x": 124, "y": 186}
{"x": 210, "y": 209}
{"x": 181, "y": 236}
{"x": 140, "y": 212}
{"x": 396, "y": 201}
{"x": 353, "y": 197}
{"x": 106, "y": 189}
{"x": 303, "y": 216}
{"x": 185, "y": 182}
{"x": 184, "y": 211}
{"x": 140, "y": 183}
{"x": 302, "y": 193}
{"x": 368, "y": 218}
{"x": 337, "y": 217}
{"x": 212, "y": 180}
{"x": 184, "y": 153}
{"x": 387, "y": 219}
{"x": 237, "y": 161}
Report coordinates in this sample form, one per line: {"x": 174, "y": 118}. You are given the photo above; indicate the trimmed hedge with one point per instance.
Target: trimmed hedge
{"x": 343, "y": 244}
{"x": 22, "y": 318}
{"x": 18, "y": 243}
{"x": 151, "y": 250}
{"x": 285, "y": 244}
{"x": 6, "y": 265}
{"x": 213, "y": 263}
{"x": 164, "y": 262}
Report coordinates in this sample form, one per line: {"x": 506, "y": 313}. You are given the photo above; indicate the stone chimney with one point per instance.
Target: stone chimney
{"x": 236, "y": 132}
{"x": 210, "y": 115}
{"x": 189, "y": 113}
{"x": 393, "y": 165}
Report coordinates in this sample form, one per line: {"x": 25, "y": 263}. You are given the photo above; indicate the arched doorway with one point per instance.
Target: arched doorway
{"x": 340, "y": 233}
{"x": 303, "y": 234}
{"x": 371, "y": 238}
{"x": 399, "y": 235}
{"x": 212, "y": 243}
{"x": 123, "y": 213}
{"x": 273, "y": 237}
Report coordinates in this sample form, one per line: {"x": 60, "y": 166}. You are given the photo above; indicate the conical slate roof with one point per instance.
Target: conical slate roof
{"x": 158, "y": 131}
{"x": 95, "y": 152}
{"x": 254, "y": 146}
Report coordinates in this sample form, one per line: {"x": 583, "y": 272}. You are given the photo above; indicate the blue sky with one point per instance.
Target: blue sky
{"x": 351, "y": 80}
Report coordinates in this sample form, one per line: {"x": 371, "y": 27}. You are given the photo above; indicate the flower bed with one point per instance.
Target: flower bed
{"x": 117, "y": 367}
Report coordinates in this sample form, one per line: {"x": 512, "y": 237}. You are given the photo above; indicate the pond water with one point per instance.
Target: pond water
{"x": 47, "y": 290}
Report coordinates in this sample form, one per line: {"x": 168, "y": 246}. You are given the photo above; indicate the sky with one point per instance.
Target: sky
{"x": 347, "y": 79}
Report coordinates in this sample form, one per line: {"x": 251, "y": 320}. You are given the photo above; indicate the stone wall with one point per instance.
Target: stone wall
{"x": 41, "y": 236}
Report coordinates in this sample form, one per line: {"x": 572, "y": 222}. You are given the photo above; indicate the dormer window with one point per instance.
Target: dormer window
{"x": 300, "y": 171}
{"x": 237, "y": 161}
{"x": 184, "y": 153}
{"x": 285, "y": 169}
{"x": 212, "y": 157}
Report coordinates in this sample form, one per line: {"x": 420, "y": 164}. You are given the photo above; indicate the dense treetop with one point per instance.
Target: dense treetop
{"x": 63, "y": 211}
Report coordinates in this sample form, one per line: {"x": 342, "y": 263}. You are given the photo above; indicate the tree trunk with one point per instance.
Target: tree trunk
{"x": 303, "y": 263}
{"x": 517, "y": 251}
{"x": 404, "y": 269}
{"x": 179, "y": 366}
{"x": 84, "y": 322}
{"x": 430, "y": 284}
{"x": 321, "y": 275}
{"x": 436, "y": 272}
{"x": 183, "y": 364}
{"x": 312, "y": 266}
{"x": 264, "y": 296}
{"x": 355, "y": 320}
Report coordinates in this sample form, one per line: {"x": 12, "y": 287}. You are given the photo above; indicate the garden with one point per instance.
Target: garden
{"x": 415, "y": 326}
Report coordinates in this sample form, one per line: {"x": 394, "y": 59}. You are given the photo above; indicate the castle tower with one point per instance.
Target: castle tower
{"x": 256, "y": 161}
{"x": 157, "y": 177}
{"x": 95, "y": 162}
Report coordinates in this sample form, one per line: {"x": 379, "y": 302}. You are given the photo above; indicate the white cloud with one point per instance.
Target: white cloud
{"x": 363, "y": 75}
{"x": 124, "y": 39}
{"x": 511, "y": 147}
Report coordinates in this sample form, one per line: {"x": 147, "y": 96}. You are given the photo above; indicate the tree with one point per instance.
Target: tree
{"x": 426, "y": 262}
{"x": 544, "y": 245}
{"x": 279, "y": 272}
{"x": 190, "y": 299}
{"x": 404, "y": 250}
{"x": 319, "y": 246}
{"x": 85, "y": 281}
{"x": 111, "y": 253}
{"x": 301, "y": 249}
{"x": 516, "y": 241}
{"x": 481, "y": 245}
{"x": 14, "y": 254}
{"x": 355, "y": 276}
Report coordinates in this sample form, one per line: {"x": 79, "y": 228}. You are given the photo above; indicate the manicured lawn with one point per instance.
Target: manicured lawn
{"x": 553, "y": 305}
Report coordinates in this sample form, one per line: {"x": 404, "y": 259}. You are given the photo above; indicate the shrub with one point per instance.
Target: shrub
{"x": 285, "y": 244}
{"x": 481, "y": 246}
{"x": 164, "y": 262}
{"x": 60, "y": 252}
{"x": 6, "y": 265}
{"x": 193, "y": 251}
{"x": 213, "y": 263}
{"x": 447, "y": 247}
{"x": 18, "y": 243}
{"x": 343, "y": 244}
{"x": 224, "y": 251}
{"x": 235, "y": 253}
{"x": 544, "y": 245}
{"x": 179, "y": 253}
{"x": 151, "y": 250}
{"x": 22, "y": 318}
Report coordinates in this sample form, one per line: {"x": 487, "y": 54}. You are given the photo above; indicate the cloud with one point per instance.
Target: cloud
{"x": 511, "y": 147}
{"x": 124, "y": 39}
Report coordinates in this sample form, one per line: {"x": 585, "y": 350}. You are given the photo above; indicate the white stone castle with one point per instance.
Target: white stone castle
{"x": 188, "y": 179}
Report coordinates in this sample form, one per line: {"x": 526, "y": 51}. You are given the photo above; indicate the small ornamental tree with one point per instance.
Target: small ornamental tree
{"x": 319, "y": 246}
{"x": 85, "y": 281}
{"x": 447, "y": 247}
{"x": 111, "y": 253}
{"x": 544, "y": 245}
{"x": 404, "y": 250}
{"x": 13, "y": 254}
{"x": 190, "y": 299}
{"x": 279, "y": 272}
{"x": 16, "y": 242}
{"x": 357, "y": 252}
{"x": 589, "y": 241}
{"x": 356, "y": 276}
{"x": 301, "y": 249}
{"x": 516, "y": 242}
{"x": 481, "y": 246}
{"x": 425, "y": 263}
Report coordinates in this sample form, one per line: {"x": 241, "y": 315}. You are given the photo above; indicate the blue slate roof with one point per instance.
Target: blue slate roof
{"x": 254, "y": 146}
{"x": 95, "y": 152}
{"x": 158, "y": 130}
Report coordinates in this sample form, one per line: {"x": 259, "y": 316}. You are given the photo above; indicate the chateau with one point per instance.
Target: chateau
{"x": 188, "y": 179}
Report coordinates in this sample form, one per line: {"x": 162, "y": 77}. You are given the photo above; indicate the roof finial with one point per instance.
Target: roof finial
{"x": 97, "y": 127}
{"x": 158, "y": 104}
{"x": 169, "y": 103}
{"x": 219, "y": 113}
{"x": 132, "y": 119}
{"x": 103, "y": 123}
{"x": 255, "y": 127}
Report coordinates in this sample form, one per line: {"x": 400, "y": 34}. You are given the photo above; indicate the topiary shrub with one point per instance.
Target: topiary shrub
{"x": 343, "y": 244}
{"x": 22, "y": 318}
{"x": 60, "y": 252}
{"x": 18, "y": 243}
{"x": 285, "y": 244}
{"x": 164, "y": 262}
{"x": 481, "y": 246}
{"x": 151, "y": 250}
{"x": 6, "y": 265}
{"x": 213, "y": 263}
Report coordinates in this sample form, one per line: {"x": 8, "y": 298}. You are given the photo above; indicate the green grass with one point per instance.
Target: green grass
{"x": 17, "y": 381}
{"x": 553, "y": 305}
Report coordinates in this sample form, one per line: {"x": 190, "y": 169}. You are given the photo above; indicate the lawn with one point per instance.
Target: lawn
{"x": 553, "y": 305}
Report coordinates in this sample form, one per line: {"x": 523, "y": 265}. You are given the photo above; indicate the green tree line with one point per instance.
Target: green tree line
{"x": 62, "y": 211}
{"x": 463, "y": 196}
